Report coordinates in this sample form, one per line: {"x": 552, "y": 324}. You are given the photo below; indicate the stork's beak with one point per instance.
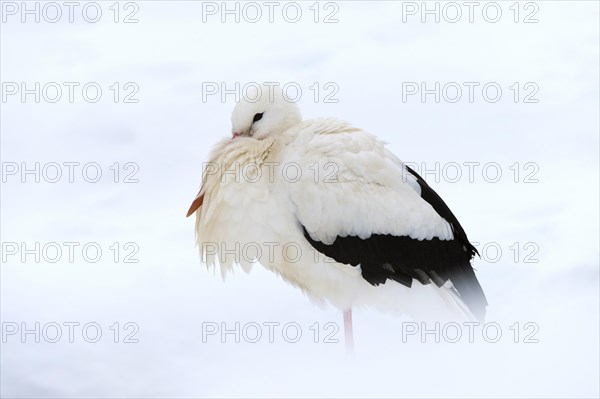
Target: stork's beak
{"x": 196, "y": 204}
{"x": 241, "y": 133}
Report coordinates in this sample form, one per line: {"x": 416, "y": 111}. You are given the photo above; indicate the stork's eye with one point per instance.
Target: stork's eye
{"x": 257, "y": 117}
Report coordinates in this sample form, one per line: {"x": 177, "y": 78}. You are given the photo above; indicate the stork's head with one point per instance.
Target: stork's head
{"x": 264, "y": 111}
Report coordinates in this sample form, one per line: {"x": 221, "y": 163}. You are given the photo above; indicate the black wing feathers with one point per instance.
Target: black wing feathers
{"x": 442, "y": 209}
{"x": 402, "y": 258}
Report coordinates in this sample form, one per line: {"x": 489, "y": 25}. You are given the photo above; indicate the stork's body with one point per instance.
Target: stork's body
{"x": 328, "y": 208}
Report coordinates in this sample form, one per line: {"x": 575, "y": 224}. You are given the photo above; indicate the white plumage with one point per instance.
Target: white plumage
{"x": 279, "y": 177}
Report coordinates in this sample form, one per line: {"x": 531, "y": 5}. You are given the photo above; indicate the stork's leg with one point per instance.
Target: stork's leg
{"x": 348, "y": 335}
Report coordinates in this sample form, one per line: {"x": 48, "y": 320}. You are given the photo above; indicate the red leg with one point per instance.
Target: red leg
{"x": 348, "y": 335}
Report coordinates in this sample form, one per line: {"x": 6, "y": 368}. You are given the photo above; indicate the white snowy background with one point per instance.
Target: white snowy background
{"x": 367, "y": 54}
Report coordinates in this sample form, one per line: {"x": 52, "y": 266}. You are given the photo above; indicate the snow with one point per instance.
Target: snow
{"x": 174, "y": 301}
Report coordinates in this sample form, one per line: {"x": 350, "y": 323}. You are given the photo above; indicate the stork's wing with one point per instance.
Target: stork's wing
{"x": 358, "y": 204}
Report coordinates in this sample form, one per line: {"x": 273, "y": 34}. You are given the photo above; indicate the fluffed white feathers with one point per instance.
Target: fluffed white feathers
{"x": 351, "y": 185}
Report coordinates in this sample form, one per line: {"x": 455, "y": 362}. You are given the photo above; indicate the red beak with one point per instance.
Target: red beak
{"x": 196, "y": 204}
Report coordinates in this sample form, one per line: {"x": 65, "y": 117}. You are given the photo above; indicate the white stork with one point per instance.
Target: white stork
{"x": 328, "y": 208}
